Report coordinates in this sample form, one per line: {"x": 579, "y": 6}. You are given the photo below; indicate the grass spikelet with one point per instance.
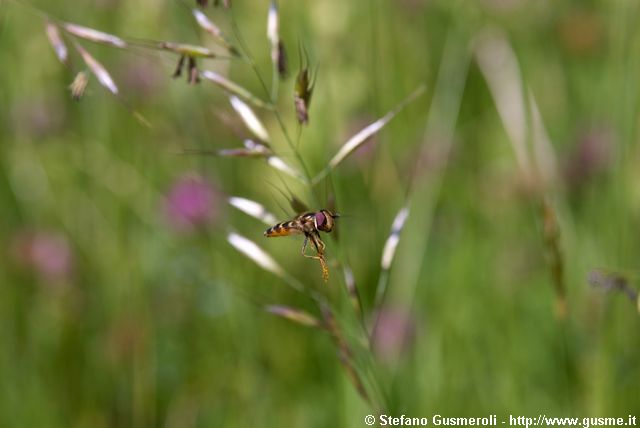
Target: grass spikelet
{"x": 190, "y": 51}
{"x": 282, "y": 166}
{"x": 249, "y": 118}
{"x": 255, "y": 253}
{"x": 193, "y": 76}
{"x": 253, "y": 209}
{"x": 273, "y": 24}
{"x": 615, "y": 282}
{"x": 499, "y": 66}
{"x": 278, "y": 55}
{"x": 251, "y": 149}
{"x": 98, "y": 70}
{"x": 293, "y": 314}
{"x": 389, "y": 252}
{"x": 58, "y": 45}
{"x": 207, "y": 25}
{"x": 282, "y": 65}
{"x": 303, "y": 89}
{"x": 233, "y": 88}
{"x": 394, "y": 238}
{"x": 239, "y": 153}
{"x": 365, "y": 134}
{"x": 78, "y": 86}
{"x": 94, "y": 35}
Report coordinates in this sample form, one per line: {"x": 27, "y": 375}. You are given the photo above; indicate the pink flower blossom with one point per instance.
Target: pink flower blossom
{"x": 191, "y": 202}
{"x": 393, "y": 334}
{"x": 47, "y": 253}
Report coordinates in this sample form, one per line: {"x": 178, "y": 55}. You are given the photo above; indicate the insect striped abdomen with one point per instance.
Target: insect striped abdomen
{"x": 283, "y": 229}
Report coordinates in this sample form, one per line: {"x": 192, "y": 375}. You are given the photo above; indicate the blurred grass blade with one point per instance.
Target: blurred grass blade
{"x": 255, "y": 253}
{"x": 543, "y": 152}
{"x": 191, "y": 51}
{"x": 207, "y": 25}
{"x": 94, "y": 35}
{"x": 240, "y": 153}
{"x": 363, "y": 136}
{"x": 345, "y": 356}
{"x": 98, "y": 70}
{"x": 216, "y": 3}
{"x": 555, "y": 256}
{"x": 296, "y": 315}
{"x": 58, "y": 45}
{"x": 280, "y": 165}
{"x": 249, "y": 118}
{"x": 354, "y": 296}
{"x": 252, "y": 149}
{"x": 233, "y": 88}
{"x": 499, "y": 66}
{"x": 253, "y": 209}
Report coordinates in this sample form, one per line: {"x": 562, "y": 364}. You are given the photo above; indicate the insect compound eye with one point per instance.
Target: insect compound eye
{"x": 320, "y": 220}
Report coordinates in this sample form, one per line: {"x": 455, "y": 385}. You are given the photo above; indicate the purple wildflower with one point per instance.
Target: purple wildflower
{"x": 191, "y": 203}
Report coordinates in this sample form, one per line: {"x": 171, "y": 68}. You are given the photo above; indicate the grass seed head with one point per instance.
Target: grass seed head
{"x": 179, "y": 67}
{"x": 79, "y": 85}
{"x": 191, "y": 51}
{"x": 249, "y": 118}
{"x": 58, "y": 45}
{"x": 94, "y": 35}
{"x": 252, "y": 251}
{"x": 302, "y": 95}
{"x": 281, "y": 60}
{"x": 233, "y": 88}
{"x": 253, "y": 209}
{"x": 194, "y": 76}
{"x": 293, "y": 314}
{"x": 206, "y": 24}
{"x": 98, "y": 70}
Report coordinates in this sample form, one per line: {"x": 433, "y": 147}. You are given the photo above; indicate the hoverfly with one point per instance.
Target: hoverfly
{"x": 309, "y": 224}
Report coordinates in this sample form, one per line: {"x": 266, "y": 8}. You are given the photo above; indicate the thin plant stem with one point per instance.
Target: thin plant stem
{"x": 276, "y": 111}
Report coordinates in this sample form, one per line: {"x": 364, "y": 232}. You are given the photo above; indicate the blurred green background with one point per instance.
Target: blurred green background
{"x": 114, "y": 313}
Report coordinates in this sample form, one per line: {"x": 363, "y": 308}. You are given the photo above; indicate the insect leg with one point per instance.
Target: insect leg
{"x": 317, "y": 242}
{"x": 304, "y": 246}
